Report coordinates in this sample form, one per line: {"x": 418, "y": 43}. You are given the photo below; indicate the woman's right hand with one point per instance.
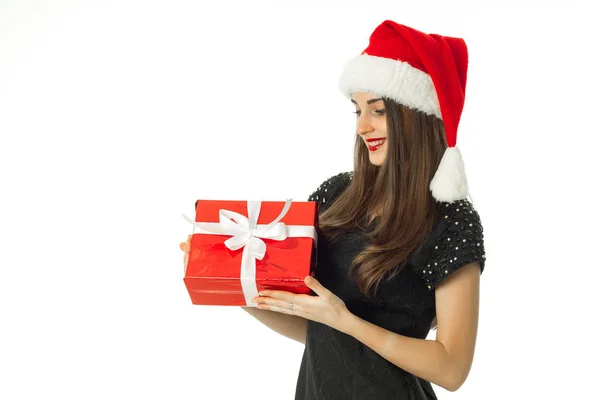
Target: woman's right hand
{"x": 186, "y": 249}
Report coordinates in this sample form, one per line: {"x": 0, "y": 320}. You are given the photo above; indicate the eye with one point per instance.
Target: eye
{"x": 381, "y": 111}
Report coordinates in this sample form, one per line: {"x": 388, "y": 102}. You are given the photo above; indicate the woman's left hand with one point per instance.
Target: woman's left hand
{"x": 325, "y": 308}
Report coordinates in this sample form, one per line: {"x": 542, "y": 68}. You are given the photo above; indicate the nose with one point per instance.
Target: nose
{"x": 363, "y": 126}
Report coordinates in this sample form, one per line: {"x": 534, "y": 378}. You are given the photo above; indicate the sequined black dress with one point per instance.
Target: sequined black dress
{"x": 336, "y": 366}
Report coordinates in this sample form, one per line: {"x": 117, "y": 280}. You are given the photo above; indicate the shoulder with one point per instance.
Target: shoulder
{"x": 460, "y": 216}
{"x": 457, "y": 240}
{"x": 330, "y": 189}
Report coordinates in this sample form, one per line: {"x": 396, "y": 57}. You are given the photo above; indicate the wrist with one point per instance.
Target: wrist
{"x": 349, "y": 323}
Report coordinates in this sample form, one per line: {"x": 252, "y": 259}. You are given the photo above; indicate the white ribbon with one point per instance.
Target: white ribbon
{"x": 248, "y": 234}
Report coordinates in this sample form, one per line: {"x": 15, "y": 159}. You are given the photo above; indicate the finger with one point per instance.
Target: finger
{"x": 284, "y": 309}
{"x": 273, "y": 302}
{"x": 277, "y": 294}
{"x": 316, "y": 286}
{"x": 185, "y": 262}
{"x": 284, "y": 300}
{"x": 182, "y": 246}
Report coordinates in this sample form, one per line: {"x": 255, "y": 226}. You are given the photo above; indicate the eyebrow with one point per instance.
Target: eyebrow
{"x": 369, "y": 101}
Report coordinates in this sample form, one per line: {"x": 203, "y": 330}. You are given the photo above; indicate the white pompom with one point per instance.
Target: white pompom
{"x": 450, "y": 181}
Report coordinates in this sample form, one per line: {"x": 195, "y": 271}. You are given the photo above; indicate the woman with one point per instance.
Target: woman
{"x": 400, "y": 246}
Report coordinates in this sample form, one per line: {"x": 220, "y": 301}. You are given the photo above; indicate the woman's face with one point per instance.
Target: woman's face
{"x": 371, "y": 124}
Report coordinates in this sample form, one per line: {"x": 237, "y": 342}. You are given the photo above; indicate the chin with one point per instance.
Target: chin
{"x": 377, "y": 161}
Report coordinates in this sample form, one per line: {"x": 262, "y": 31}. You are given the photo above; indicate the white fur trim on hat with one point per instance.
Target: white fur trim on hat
{"x": 450, "y": 181}
{"x": 397, "y": 80}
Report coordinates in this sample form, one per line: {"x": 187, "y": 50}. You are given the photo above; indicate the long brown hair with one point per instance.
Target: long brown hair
{"x": 399, "y": 188}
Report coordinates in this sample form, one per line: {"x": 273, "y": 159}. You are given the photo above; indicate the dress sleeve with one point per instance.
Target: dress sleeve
{"x": 330, "y": 189}
{"x": 459, "y": 243}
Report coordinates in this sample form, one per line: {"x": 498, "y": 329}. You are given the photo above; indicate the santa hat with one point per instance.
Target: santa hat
{"x": 426, "y": 72}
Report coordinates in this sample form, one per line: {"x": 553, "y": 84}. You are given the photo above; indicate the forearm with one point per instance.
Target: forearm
{"x": 427, "y": 359}
{"x": 290, "y": 326}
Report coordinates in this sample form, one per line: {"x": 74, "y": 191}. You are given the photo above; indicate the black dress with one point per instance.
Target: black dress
{"x": 336, "y": 366}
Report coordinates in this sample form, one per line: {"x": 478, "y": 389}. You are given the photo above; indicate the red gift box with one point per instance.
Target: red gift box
{"x": 217, "y": 260}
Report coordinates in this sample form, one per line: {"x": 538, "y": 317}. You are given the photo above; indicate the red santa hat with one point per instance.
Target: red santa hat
{"x": 426, "y": 72}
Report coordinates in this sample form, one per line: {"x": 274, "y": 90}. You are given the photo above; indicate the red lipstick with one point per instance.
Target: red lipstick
{"x": 379, "y": 141}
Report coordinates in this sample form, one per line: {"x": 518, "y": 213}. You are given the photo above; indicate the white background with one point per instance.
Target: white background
{"x": 115, "y": 116}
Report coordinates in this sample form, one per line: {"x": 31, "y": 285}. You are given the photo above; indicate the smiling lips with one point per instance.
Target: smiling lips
{"x": 375, "y": 143}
